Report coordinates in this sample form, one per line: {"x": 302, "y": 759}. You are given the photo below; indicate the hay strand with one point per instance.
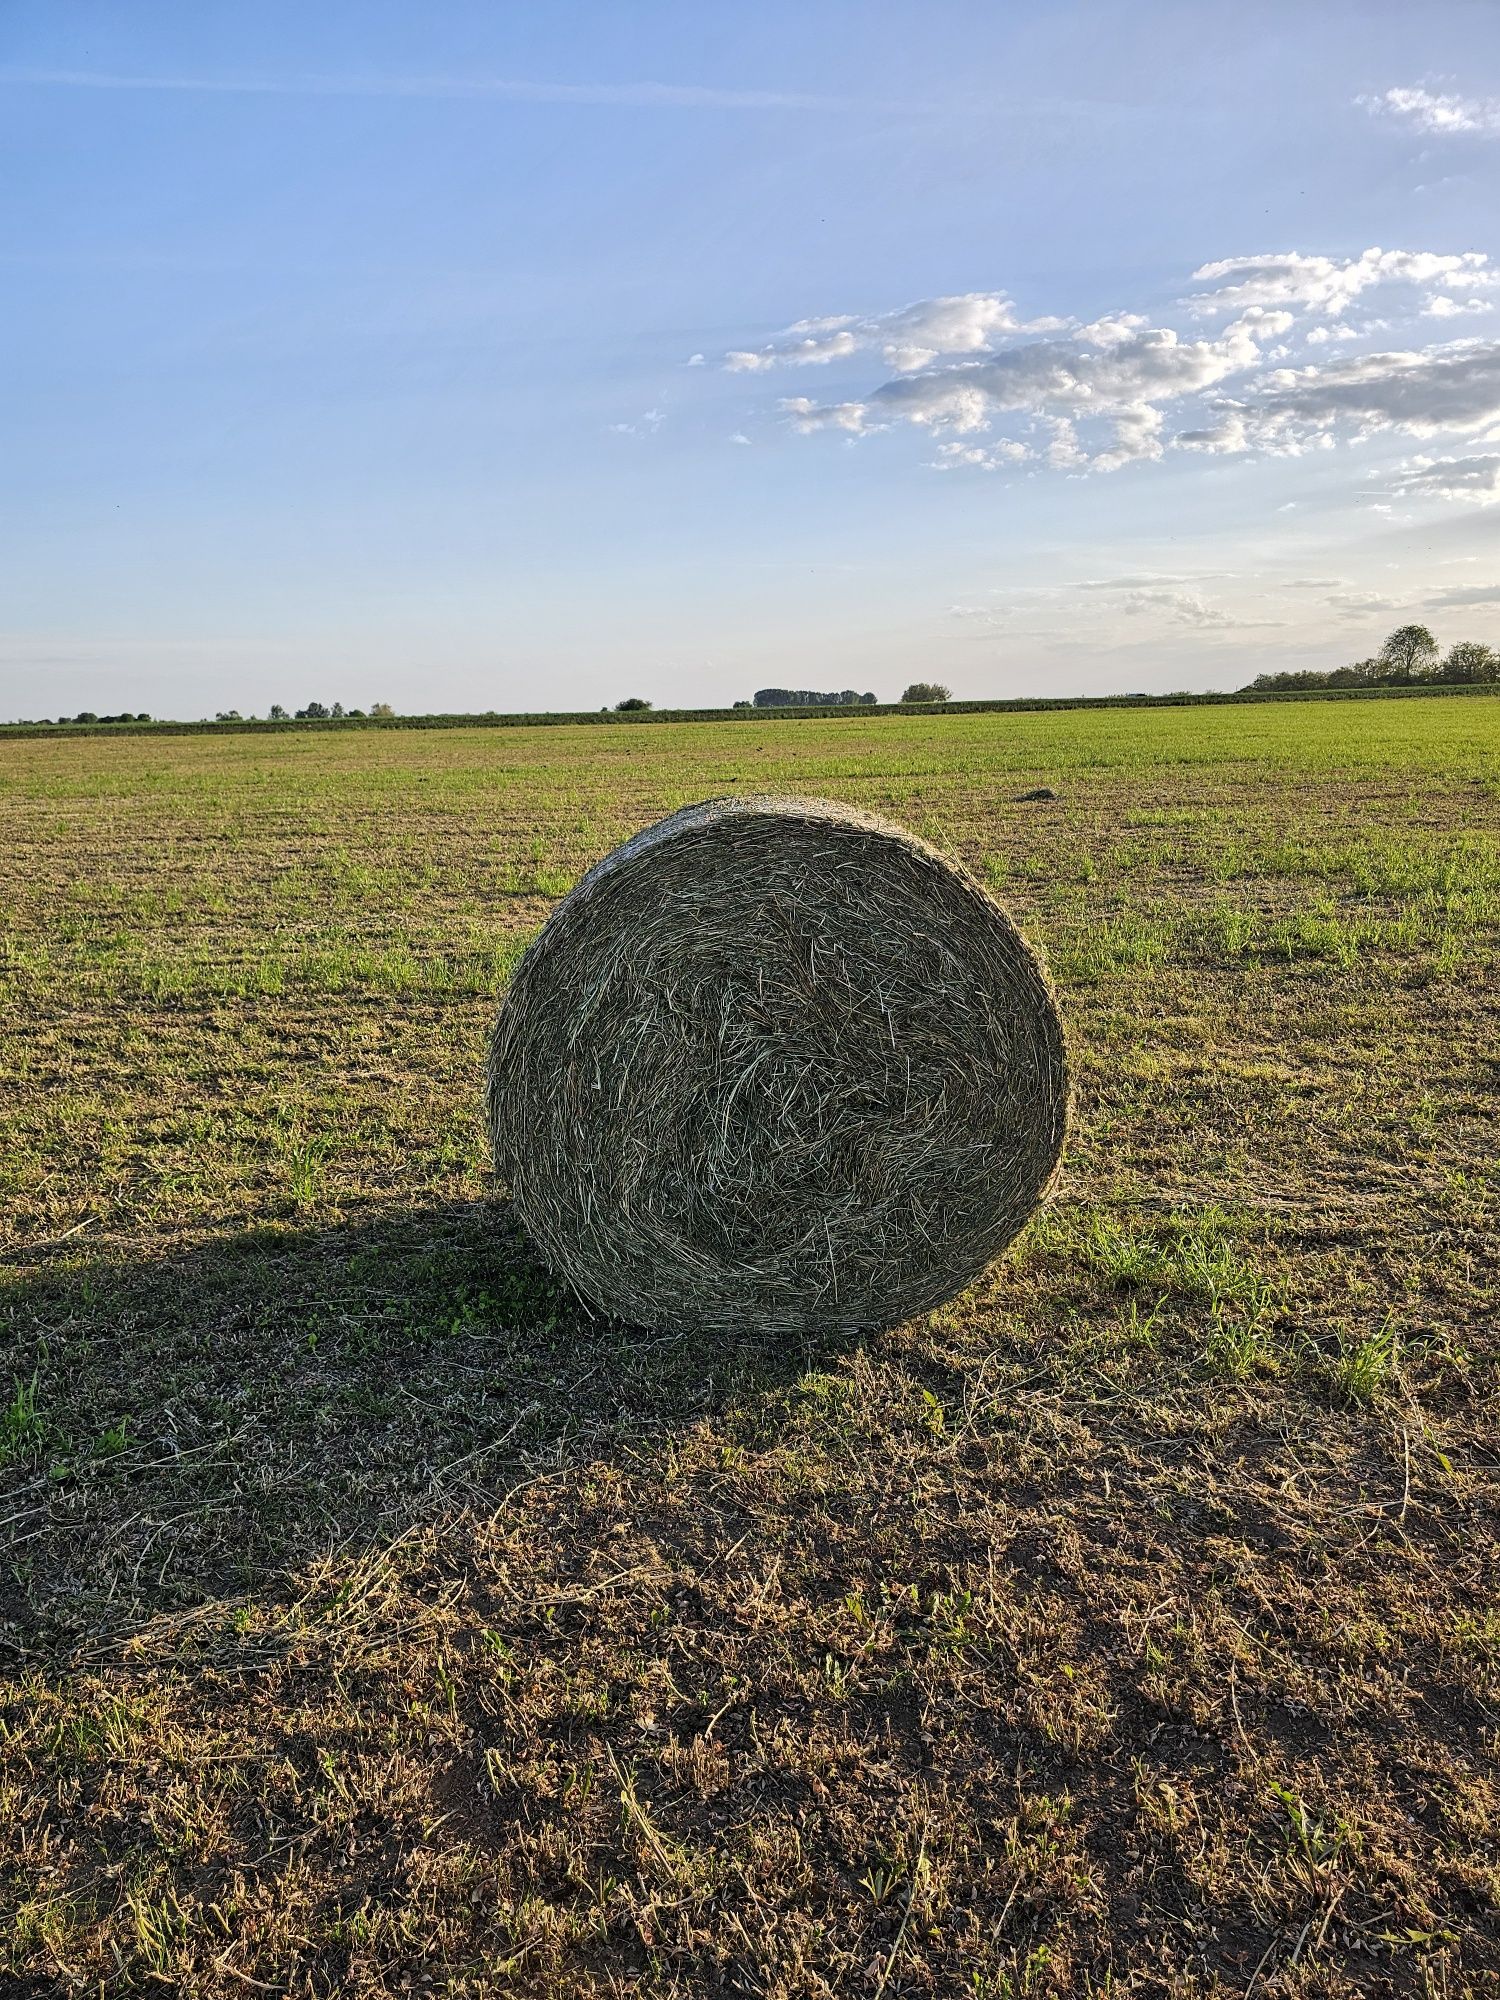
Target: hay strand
{"x": 776, "y": 1063}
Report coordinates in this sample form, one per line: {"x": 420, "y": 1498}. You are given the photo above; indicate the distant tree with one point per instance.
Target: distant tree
{"x": 381, "y": 710}
{"x": 314, "y": 712}
{"x": 1289, "y": 683}
{"x": 276, "y": 712}
{"x": 1358, "y": 673}
{"x": 807, "y": 698}
{"x": 143, "y": 717}
{"x": 1469, "y": 661}
{"x": 85, "y": 715}
{"x": 337, "y": 711}
{"x": 1410, "y": 653}
{"x": 926, "y": 691}
{"x": 632, "y": 705}
{"x": 229, "y": 715}
{"x": 355, "y": 714}
{"x": 867, "y": 701}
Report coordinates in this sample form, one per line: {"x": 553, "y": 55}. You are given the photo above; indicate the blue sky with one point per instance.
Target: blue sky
{"x": 471, "y": 356}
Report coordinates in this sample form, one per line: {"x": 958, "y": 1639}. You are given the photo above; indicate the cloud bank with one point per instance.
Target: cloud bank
{"x": 998, "y": 392}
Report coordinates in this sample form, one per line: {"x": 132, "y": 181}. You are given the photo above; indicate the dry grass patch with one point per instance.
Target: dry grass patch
{"x": 373, "y": 1620}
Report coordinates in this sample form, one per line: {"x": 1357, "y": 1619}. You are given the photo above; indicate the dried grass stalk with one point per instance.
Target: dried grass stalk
{"x": 775, "y": 1063}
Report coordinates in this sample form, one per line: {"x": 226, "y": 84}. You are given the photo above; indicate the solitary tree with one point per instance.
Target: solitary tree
{"x": 277, "y": 712}
{"x": 920, "y": 691}
{"x": 632, "y": 705}
{"x": 315, "y": 711}
{"x": 381, "y": 710}
{"x": 1410, "y": 653}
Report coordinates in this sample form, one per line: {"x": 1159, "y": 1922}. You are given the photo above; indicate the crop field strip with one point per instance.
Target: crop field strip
{"x": 370, "y": 1615}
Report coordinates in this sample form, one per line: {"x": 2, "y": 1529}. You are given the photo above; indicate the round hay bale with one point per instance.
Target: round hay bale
{"x": 776, "y": 1064}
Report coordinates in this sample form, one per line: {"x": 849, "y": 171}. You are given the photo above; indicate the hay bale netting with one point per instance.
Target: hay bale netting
{"x": 776, "y": 1064}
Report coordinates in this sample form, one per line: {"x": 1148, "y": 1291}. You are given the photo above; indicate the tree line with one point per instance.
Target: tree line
{"x": 1409, "y": 656}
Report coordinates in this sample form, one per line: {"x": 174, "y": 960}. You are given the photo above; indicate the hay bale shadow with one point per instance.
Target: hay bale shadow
{"x": 192, "y": 1428}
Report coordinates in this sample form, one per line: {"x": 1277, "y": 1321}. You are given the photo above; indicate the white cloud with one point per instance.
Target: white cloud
{"x": 1064, "y": 453}
{"x": 807, "y": 341}
{"x": 952, "y": 457}
{"x": 1001, "y": 392}
{"x": 1442, "y": 307}
{"x": 1117, "y": 371}
{"x": 1227, "y": 435}
{"x": 1476, "y": 479}
{"x": 1138, "y": 429}
{"x": 806, "y": 415}
{"x": 908, "y": 338}
{"x": 1437, "y": 112}
{"x": 1324, "y": 284}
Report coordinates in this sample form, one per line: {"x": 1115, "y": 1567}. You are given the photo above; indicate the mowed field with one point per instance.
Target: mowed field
{"x": 372, "y": 1620}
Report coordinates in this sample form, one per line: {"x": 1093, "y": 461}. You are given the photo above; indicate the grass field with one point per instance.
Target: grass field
{"x": 372, "y": 1621}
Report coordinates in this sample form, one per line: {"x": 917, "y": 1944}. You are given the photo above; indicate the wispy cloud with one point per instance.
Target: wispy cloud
{"x": 1475, "y": 479}
{"x": 1439, "y": 112}
{"x": 1325, "y": 284}
{"x": 1359, "y": 603}
{"x": 909, "y": 338}
{"x": 520, "y": 90}
{"x": 1185, "y": 606}
{"x": 645, "y": 425}
{"x": 1465, "y": 593}
{"x": 1151, "y": 579}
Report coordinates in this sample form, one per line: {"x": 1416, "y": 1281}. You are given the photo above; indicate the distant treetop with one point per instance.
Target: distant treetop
{"x": 87, "y": 715}
{"x": 806, "y": 698}
{"x": 1408, "y": 657}
{"x": 921, "y": 691}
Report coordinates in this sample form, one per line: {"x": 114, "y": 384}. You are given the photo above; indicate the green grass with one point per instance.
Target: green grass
{"x": 369, "y": 1615}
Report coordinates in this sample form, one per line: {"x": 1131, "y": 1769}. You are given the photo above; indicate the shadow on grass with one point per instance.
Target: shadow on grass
{"x": 195, "y": 1428}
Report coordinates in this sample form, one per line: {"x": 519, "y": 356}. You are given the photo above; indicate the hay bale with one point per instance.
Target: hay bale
{"x": 776, "y": 1064}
